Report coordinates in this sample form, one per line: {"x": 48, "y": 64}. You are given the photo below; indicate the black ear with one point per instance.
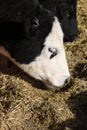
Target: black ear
{"x": 32, "y": 6}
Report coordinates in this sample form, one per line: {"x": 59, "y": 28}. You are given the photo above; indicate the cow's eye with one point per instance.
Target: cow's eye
{"x": 53, "y": 52}
{"x": 35, "y": 23}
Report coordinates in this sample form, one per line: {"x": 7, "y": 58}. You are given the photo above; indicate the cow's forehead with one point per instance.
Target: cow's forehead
{"x": 46, "y": 20}
{"x": 55, "y": 37}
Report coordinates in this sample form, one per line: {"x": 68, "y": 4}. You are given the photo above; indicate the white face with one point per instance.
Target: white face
{"x": 52, "y": 70}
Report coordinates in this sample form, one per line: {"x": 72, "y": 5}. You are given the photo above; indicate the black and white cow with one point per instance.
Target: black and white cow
{"x": 32, "y": 38}
{"x": 65, "y": 10}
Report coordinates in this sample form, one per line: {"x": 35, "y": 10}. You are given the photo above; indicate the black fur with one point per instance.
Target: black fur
{"x": 24, "y": 46}
{"x": 17, "y": 10}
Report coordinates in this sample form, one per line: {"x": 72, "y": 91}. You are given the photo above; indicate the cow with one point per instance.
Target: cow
{"x": 32, "y": 38}
{"x": 65, "y": 10}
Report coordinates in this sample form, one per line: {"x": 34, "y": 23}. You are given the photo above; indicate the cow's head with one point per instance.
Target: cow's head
{"x": 50, "y": 65}
{"x": 42, "y": 54}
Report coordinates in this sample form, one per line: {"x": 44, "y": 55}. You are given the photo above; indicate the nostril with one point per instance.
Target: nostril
{"x": 67, "y": 81}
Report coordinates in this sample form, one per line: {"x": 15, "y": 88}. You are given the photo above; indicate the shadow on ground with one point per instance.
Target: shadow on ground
{"x": 78, "y": 105}
{"x": 81, "y": 71}
{"x": 11, "y": 69}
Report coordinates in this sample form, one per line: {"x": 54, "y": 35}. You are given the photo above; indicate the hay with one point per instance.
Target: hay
{"x": 26, "y": 106}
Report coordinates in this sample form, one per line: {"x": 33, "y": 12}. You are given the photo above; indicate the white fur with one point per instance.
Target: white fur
{"x": 53, "y": 72}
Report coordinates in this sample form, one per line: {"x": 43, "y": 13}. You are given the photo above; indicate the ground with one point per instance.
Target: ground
{"x": 26, "y": 105}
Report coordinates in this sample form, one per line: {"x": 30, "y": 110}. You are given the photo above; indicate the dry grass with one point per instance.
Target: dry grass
{"x": 26, "y": 106}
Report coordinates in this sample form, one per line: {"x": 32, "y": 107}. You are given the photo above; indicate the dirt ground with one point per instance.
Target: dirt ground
{"x": 26, "y": 105}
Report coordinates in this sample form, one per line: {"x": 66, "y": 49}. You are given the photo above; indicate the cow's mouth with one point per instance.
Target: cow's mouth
{"x": 68, "y": 83}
